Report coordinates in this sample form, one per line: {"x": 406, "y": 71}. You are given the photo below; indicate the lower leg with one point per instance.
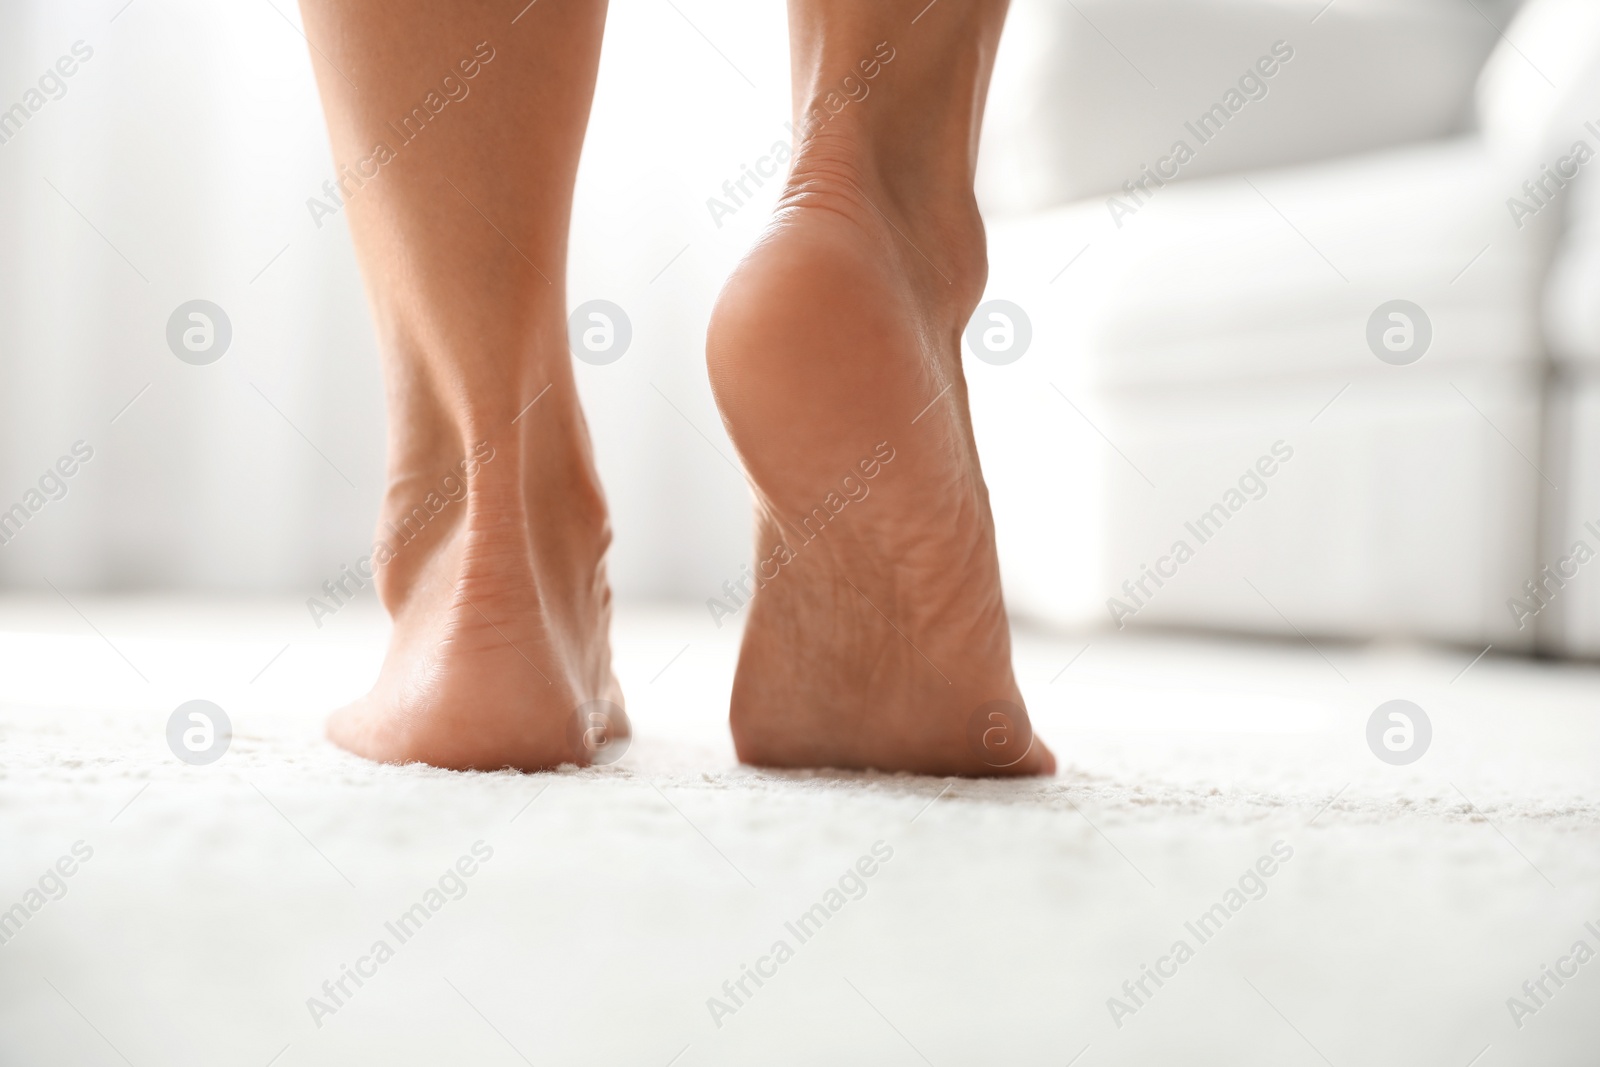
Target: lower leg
{"x": 893, "y": 107}
{"x": 878, "y": 637}
{"x": 456, "y": 136}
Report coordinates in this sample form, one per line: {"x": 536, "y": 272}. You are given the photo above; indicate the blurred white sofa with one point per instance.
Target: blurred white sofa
{"x": 1185, "y": 329}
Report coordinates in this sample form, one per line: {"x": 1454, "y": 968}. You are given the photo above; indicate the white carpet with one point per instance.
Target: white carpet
{"x": 616, "y": 901}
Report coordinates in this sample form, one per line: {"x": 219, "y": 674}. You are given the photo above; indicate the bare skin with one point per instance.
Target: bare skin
{"x": 501, "y": 608}
{"x": 835, "y": 342}
{"x": 836, "y": 339}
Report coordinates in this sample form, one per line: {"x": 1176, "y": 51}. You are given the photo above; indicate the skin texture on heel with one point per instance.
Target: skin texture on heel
{"x": 834, "y": 349}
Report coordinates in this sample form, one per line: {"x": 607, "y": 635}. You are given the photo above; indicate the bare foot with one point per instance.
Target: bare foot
{"x": 500, "y": 650}
{"x": 878, "y": 637}
{"x": 499, "y": 655}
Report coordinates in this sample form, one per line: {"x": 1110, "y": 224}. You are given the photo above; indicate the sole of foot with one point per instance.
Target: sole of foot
{"x": 876, "y": 634}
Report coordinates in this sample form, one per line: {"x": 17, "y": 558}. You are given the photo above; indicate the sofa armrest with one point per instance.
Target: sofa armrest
{"x": 1087, "y": 92}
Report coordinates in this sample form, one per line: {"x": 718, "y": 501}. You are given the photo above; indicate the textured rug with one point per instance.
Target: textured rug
{"x": 1223, "y": 872}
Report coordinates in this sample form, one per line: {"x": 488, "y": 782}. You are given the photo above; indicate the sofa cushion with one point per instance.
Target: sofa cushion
{"x": 1277, "y": 274}
{"x": 1087, "y": 91}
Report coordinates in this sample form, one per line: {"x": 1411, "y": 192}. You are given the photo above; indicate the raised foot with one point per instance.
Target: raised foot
{"x": 876, "y": 636}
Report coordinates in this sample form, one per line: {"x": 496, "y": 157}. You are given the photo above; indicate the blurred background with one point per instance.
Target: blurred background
{"x": 1176, "y": 319}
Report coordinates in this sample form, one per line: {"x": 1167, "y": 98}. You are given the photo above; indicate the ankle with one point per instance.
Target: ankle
{"x": 513, "y": 489}
{"x": 844, "y": 166}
